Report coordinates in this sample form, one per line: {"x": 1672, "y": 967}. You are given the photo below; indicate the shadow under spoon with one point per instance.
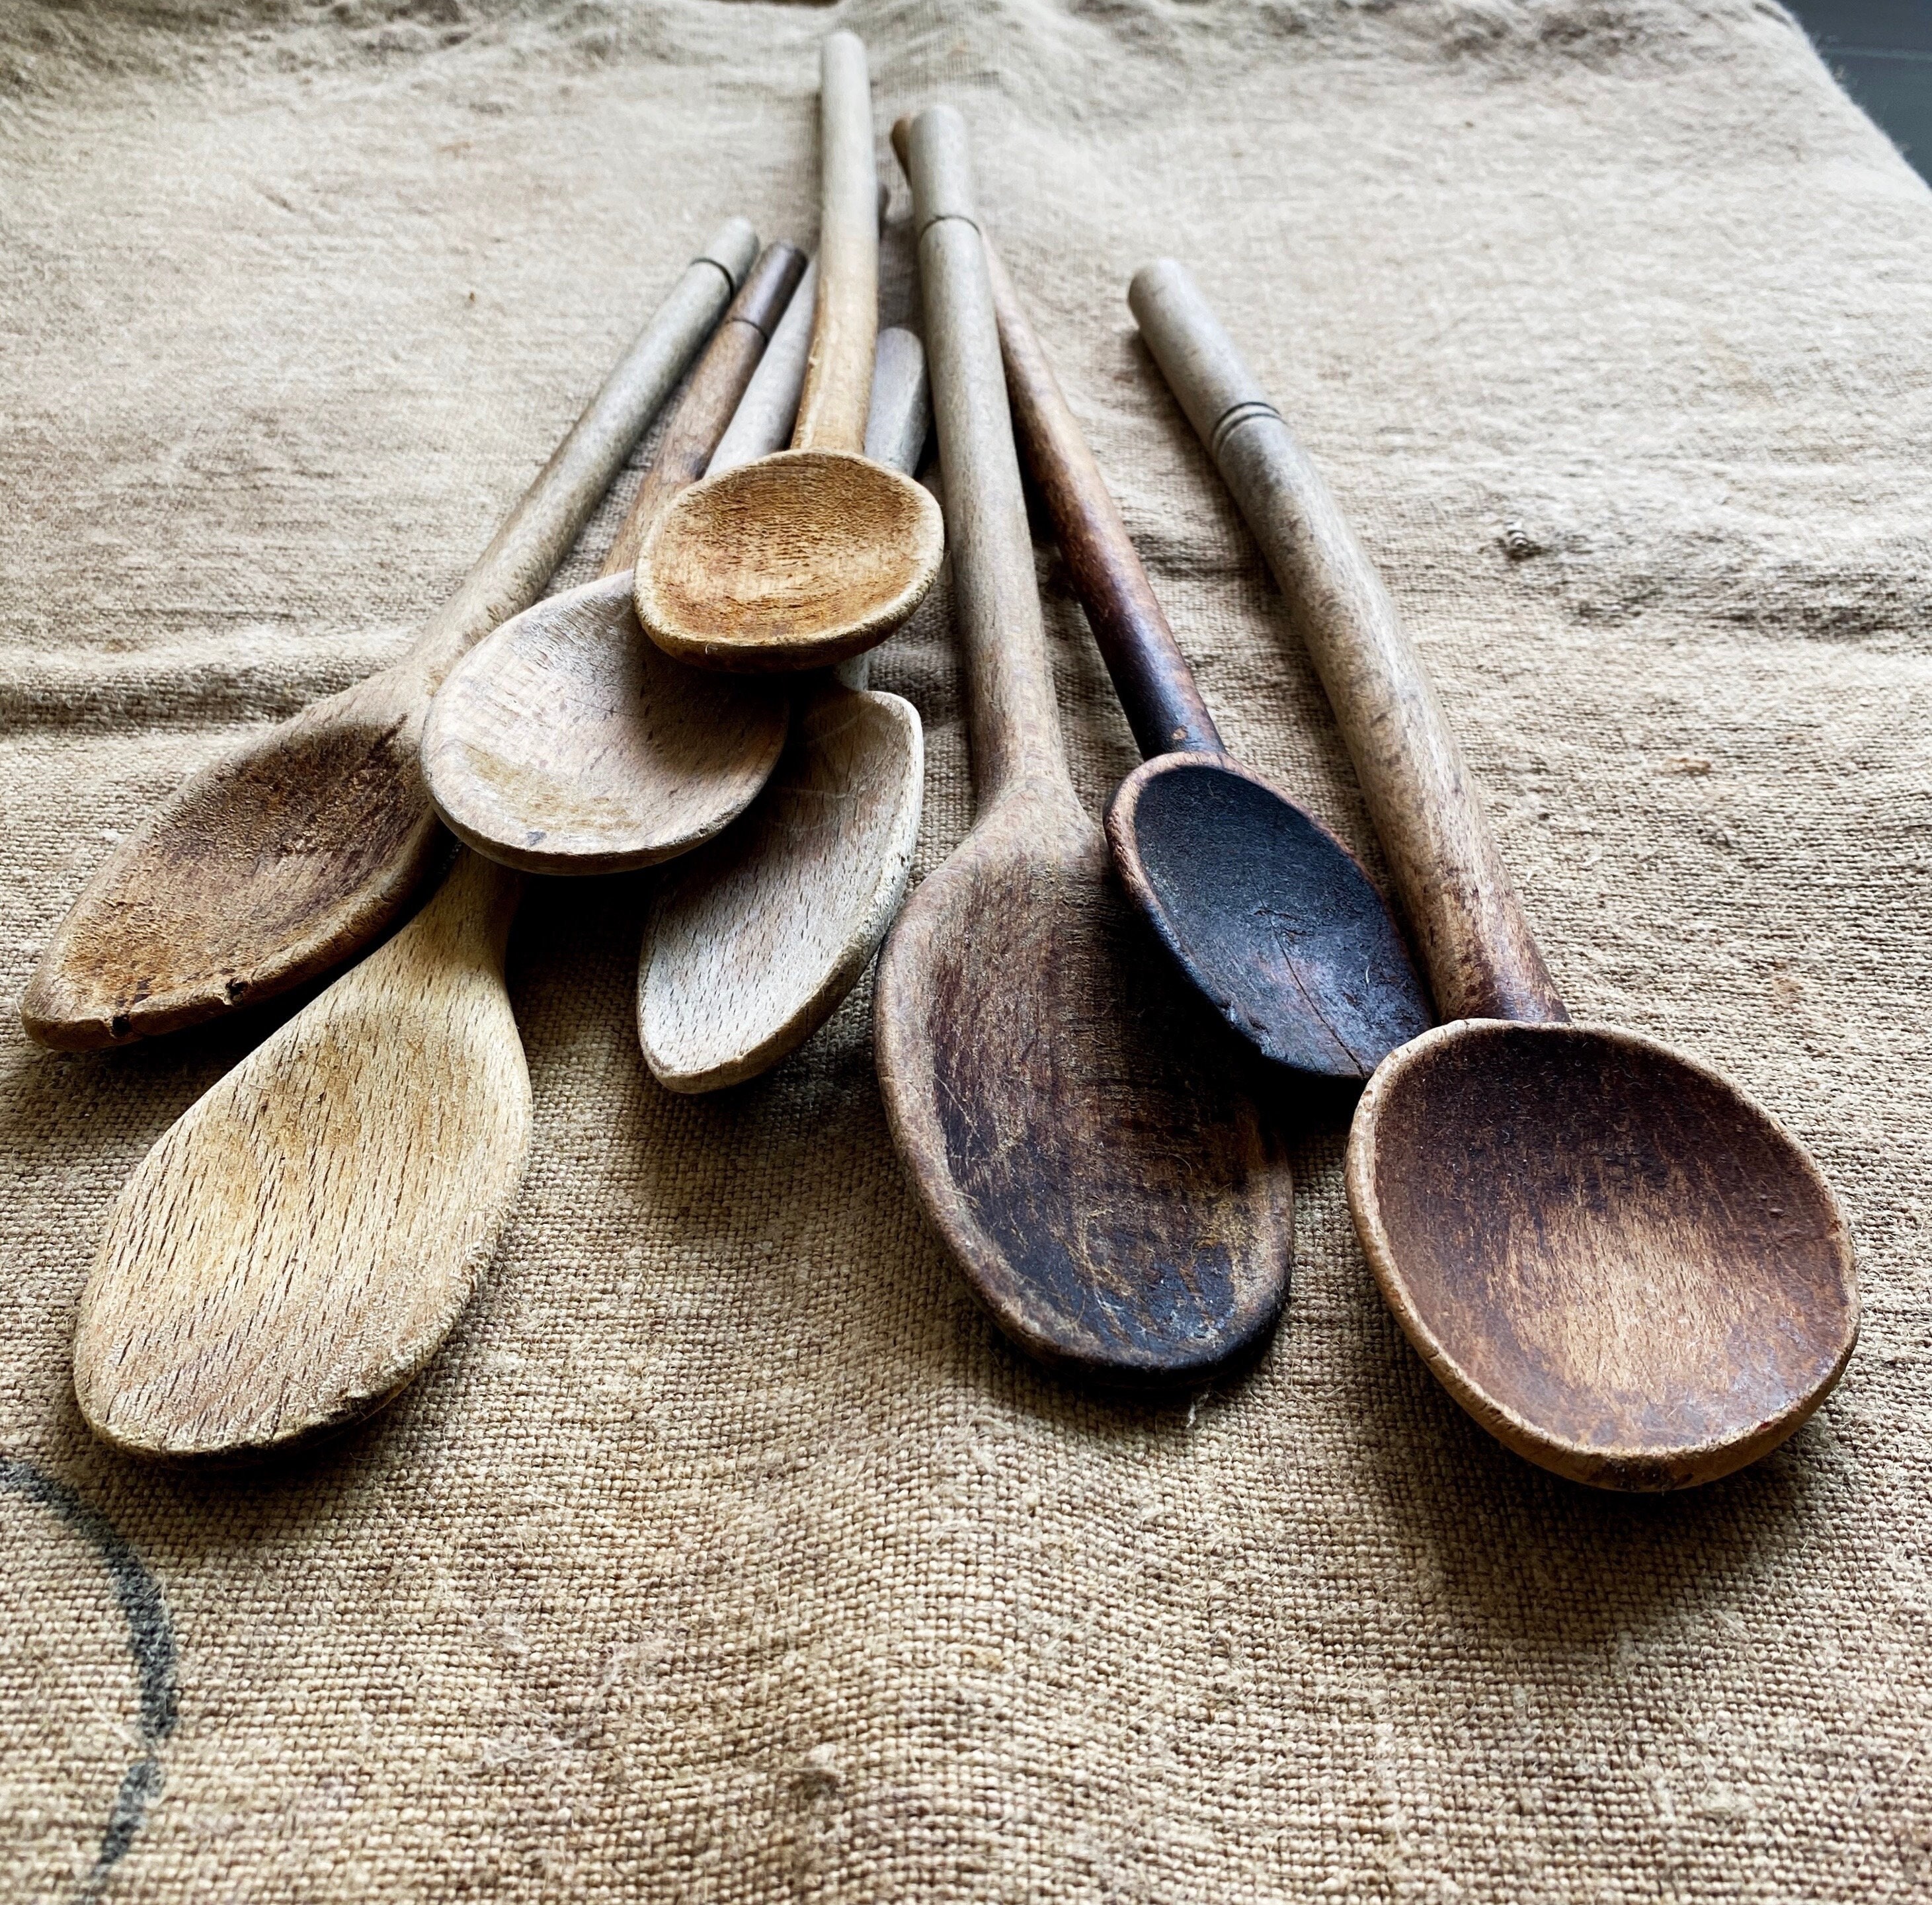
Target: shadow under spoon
{"x": 1068, "y": 1114}
{"x": 1269, "y": 916}
{"x": 751, "y": 942}
{"x": 300, "y": 1241}
{"x": 1616, "y": 1261}
{"x": 566, "y": 743}
{"x": 303, "y": 846}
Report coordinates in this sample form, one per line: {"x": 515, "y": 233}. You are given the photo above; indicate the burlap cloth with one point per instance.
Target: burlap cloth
{"x": 726, "y": 1553}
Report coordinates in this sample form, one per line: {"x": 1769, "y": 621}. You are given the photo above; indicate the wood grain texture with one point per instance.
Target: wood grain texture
{"x": 1063, "y": 1108}
{"x": 566, "y": 743}
{"x": 1270, "y": 917}
{"x": 1458, "y": 897}
{"x": 717, "y": 387}
{"x": 831, "y": 410}
{"x": 1150, "y": 675}
{"x": 304, "y": 845}
{"x": 293, "y": 1250}
{"x": 297, "y": 1244}
{"x": 813, "y": 555}
{"x": 751, "y": 943}
{"x": 1618, "y": 1262}
{"x": 762, "y": 420}
{"x": 1264, "y": 912}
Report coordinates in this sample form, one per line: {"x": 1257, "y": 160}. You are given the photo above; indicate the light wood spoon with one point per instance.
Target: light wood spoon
{"x": 1065, "y": 1108}
{"x": 304, "y": 845}
{"x": 751, "y": 942}
{"x": 1615, "y": 1260}
{"x": 293, "y": 1250}
{"x": 565, "y": 742}
{"x": 1272, "y": 919}
{"x": 817, "y": 554}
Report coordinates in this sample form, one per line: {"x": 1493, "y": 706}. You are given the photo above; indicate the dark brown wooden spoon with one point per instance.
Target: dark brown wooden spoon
{"x": 1614, "y": 1259}
{"x": 1270, "y": 917}
{"x": 303, "y": 846}
{"x": 1067, "y": 1110}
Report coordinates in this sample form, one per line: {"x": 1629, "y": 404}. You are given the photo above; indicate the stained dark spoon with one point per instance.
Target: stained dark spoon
{"x": 1064, "y": 1106}
{"x": 1270, "y": 917}
{"x": 1619, "y": 1264}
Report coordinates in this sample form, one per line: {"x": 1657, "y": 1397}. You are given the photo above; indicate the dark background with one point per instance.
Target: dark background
{"x": 1881, "y": 51}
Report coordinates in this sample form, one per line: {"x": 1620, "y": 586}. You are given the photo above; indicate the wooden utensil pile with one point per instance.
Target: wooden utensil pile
{"x": 1619, "y": 1264}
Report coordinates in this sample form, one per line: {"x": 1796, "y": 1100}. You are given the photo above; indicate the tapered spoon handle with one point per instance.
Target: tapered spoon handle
{"x": 537, "y": 534}
{"x": 711, "y": 397}
{"x": 763, "y": 421}
{"x": 901, "y": 412}
{"x": 1150, "y": 674}
{"x": 838, "y": 379}
{"x": 1015, "y": 719}
{"x": 1483, "y": 962}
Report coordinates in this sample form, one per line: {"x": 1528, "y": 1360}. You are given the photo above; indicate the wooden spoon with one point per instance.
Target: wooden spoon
{"x": 304, "y": 845}
{"x": 1270, "y": 917}
{"x": 565, "y": 742}
{"x": 1063, "y": 1106}
{"x": 751, "y": 942}
{"x": 1615, "y": 1260}
{"x": 296, "y": 1246}
{"x": 805, "y": 558}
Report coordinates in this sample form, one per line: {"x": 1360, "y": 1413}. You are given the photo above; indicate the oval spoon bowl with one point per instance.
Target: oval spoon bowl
{"x": 266, "y": 869}
{"x": 660, "y": 757}
{"x": 731, "y": 945}
{"x": 1270, "y": 917}
{"x": 1623, "y": 1267}
{"x": 1117, "y": 1203}
{"x": 803, "y": 559}
{"x": 296, "y": 1246}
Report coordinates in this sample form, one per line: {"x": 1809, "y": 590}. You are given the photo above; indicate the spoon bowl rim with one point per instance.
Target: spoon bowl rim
{"x": 1646, "y": 1467}
{"x": 1124, "y": 843}
{"x": 821, "y": 648}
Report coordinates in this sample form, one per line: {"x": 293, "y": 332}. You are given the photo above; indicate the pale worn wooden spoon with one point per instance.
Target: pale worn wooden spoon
{"x": 304, "y": 845}
{"x": 297, "y": 1245}
{"x": 1066, "y": 1109}
{"x": 805, "y": 558}
{"x": 1615, "y": 1260}
{"x": 751, "y": 942}
{"x": 565, "y": 742}
{"x": 1269, "y": 916}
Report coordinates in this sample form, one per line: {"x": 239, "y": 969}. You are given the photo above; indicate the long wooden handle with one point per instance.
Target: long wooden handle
{"x": 765, "y": 415}
{"x": 711, "y": 397}
{"x": 1483, "y": 962}
{"x": 1015, "y": 719}
{"x": 1150, "y": 674}
{"x": 838, "y": 380}
{"x": 537, "y": 534}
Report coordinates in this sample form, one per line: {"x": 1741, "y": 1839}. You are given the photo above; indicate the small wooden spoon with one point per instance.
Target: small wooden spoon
{"x": 1063, "y": 1106}
{"x": 565, "y": 742}
{"x": 296, "y": 1246}
{"x": 304, "y": 845}
{"x": 1270, "y": 917}
{"x": 816, "y": 554}
{"x": 1616, "y": 1261}
{"x": 752, "y": 941}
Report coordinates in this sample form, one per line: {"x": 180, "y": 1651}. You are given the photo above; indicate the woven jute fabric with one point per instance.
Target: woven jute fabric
{"x": 726, "y": 1552}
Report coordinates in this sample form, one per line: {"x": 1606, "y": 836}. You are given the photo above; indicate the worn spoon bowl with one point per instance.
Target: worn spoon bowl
{"x": 1266, "y": 913}
{"x": 1071, "y": 1116}
{"x": 1622, "y": 1266}
{"x": 803, "y": 559}
{"x": 263, "y": 870}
